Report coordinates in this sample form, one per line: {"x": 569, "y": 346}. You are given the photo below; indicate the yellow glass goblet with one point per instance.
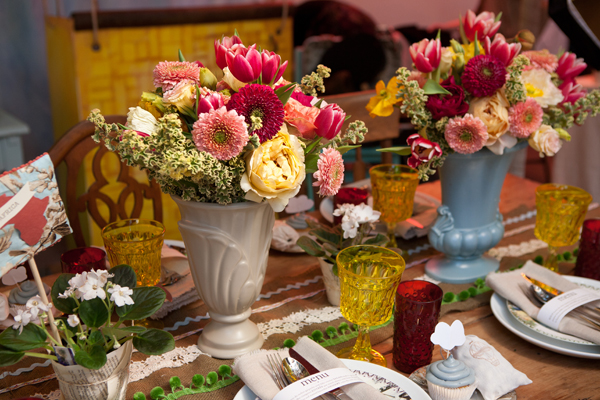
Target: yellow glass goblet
{"x": 561, "y": 210}
{"x": 138, "y": 243}
{"x": 393, "y": 188}
{"x": 369, "y": 277}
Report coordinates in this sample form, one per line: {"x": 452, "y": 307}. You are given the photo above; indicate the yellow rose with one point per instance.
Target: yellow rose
{"x": 182, "y": 96}
{"x": 275, "y": 170}
{"x": 493, "y": 111}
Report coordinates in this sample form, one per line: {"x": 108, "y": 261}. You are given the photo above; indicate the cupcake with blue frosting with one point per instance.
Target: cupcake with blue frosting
{"x": 450, "y": 379}
{"x": 18, "y": 297}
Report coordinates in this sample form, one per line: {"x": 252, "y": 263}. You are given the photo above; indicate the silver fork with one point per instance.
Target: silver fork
{"x": 276, "y": 372}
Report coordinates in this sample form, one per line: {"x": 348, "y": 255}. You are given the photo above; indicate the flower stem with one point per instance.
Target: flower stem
{"x": 41, "y": 355}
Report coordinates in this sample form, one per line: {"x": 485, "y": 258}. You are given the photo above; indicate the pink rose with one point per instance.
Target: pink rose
{"x": 301, "y": 117}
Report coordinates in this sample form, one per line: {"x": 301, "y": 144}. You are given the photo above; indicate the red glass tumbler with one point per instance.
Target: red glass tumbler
{"x": 588, "y": 259}
{"x": 349, "y": 196}
{"x": 83, "y": 259}
{"x": 417, "y": 311}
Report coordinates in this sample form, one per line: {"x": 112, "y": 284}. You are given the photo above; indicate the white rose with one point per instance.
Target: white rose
{"x": 539, "y": 86}
{"x": 545, "y": 140}
{"x": 141, "y": 120}
{"x": 446, "y": 60}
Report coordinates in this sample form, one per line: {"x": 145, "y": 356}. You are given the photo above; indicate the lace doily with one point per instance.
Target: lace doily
{"x": 298, "y": 320}
{"x": 517, "y": 250}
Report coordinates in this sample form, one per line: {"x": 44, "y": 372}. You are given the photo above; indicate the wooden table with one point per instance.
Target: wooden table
{"x": 554, "y": 376}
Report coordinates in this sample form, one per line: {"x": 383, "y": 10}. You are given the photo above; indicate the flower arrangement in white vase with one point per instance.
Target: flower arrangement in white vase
{"x": 355, "y": 228}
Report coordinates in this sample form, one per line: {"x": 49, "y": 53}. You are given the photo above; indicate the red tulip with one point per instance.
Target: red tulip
{"x": 569, "y": 66}
{"x": 503, "y": 51}
{"x": 329, "y": 121}
{"x": 212, "y": 101}
{"x": 484, "y": 24}
{"x": 422, "y": 150}
{"x": 245, "y": 64}
{"x": 221, "y": 49}
{"x": 271, "y": 67}
{"x": 426, "y": 54}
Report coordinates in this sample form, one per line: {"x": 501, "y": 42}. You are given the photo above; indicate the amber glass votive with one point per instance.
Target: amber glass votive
{"x": 349, "y": 196}
{"x": 588, "y": 259}
{"x": 417, "y": 311}
{"x": 83, "y": 259}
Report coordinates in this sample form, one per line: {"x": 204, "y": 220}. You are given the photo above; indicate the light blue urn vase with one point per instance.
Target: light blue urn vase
{"x": 469, "y": 222}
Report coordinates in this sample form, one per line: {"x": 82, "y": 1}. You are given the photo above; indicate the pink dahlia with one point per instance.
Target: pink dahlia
{"x": 466, "y": 135}
{"x": 220, "y": 133}
{"x": 525, "y": 118}
{"x": 483, "y": 75}
{"x": 260, "y": 107}
{"x": 168, "y": 73}
{"x": 541, "y": 59}
{"x": 330, "y": 172}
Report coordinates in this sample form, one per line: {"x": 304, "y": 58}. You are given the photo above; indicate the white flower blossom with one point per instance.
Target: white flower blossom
{"x": 365, "y": 214}
{"x": 21, "y": 319}
{"x": 35, "y": 305}
{"x": 353, "y": 216}
{"x": 100, "y": 275}
{"x": 92, "y": 289}
{"x": 121, "y": 295}
{"x": 73, "y": 320}
{"x": 68, "y": 293}
{"x": 350, "y": 226}
{"x": 75, "y": 284}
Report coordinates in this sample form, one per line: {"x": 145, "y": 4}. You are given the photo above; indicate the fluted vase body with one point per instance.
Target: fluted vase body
{"x": 228, "y": 249}
{"x": 469, "y": 222}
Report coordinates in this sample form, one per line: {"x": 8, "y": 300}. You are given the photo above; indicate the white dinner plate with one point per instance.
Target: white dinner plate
{"x": 570, "y": 348}
{"x": 376, "y": 376}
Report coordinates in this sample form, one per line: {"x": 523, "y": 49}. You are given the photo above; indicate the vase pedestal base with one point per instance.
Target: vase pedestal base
{"x": 451, "y": 270}
{"x": 228, "y": 337}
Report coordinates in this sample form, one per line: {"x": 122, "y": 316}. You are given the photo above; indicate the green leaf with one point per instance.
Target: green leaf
{"x": 95, "y": 359}
{"x": 310, "y": 163}
{"x": 211, "y": 378}
{"x": 147, "y": 301}
{"x": 225, "y": 371}
{"x": 124, "y": 275}
{"x": 285, "y": 92}
{"x": 93, "y": 313}
{"x": 327, "y": 236}
{"x": 461, "y": 30}
{"x": 310, "y": 246}
{"x": 60, "y": 286}
{"x": 400, "y": 150}
{"x": 476, "y": 45}
{"x": 32, "y": 337}
{"x": 123, "y": 331}
{"x": 498, "y": 17}
{"x": 95, "y": 337}
{"x": 433, "y": 87}
{"x": 198, "y": 380}
{"x": 154, "y": 342}
{"x": 9, "y": 357}
{"x": 378, "y": 240}
{"x": 181, "y": 57}
{"x": 347, "y": 148}
{"x": 318, "y": 103}
{"x": 175, "y": 383}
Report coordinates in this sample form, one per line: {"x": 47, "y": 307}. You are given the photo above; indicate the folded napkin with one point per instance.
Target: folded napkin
{"x": 512, "y": 286}
{"x": 255, "y": 371}
{"x": 285, "y": 237}
{"x": 426, "y": 217}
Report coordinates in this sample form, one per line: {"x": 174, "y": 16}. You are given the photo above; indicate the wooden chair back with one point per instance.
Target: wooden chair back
{"x": 72, "y": 149}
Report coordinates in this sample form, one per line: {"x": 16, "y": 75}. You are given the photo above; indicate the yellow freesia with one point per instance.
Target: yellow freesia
{"x": 469, "y": 50}
{"x": 382, "y": 104}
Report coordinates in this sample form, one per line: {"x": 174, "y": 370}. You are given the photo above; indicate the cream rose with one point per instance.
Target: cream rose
{"x": 275, "y": 170}
{"x": 141, "y": 120}
{"x": 446, "y": 60}
{"x": 493, "y": 111}
{"x": 182, "y": 96}
{"x": 545, "y": 140}
{"x": 539, "y": 86}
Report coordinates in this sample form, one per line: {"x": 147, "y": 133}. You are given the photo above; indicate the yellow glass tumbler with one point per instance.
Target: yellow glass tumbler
{"x": 369, "y": 277}
{"x": 561, "y": 210}
{"x": 138, "y": 243}
{"x": 393, "y": 188}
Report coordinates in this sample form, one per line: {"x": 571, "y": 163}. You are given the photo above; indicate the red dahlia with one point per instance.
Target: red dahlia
{"x": 261, "y": 109}
{"x": 483, "y": 75}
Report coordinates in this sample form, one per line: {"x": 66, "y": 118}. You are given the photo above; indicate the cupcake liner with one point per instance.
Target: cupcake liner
{"x": 438, "y": 392}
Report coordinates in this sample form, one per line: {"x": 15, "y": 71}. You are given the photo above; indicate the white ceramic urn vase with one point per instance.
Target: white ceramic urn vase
{"x": 228, "y": 249}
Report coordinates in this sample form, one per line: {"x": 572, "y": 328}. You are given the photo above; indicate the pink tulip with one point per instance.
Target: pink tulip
{"x": 571, "y": 91}
{"x": 210, "y": 102}
{"x": 426, "y": 54}
{"x": 221, "y": 49}
{"x": 483, "y": 24}
{"x": 422, "y": 150}
{"x": 271, "y": 67}
{"x": 500, "y": 49}
{"x": 245, "y": 64}
{"x": 329, "y": 121}
{"x": 569, "y": 66}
